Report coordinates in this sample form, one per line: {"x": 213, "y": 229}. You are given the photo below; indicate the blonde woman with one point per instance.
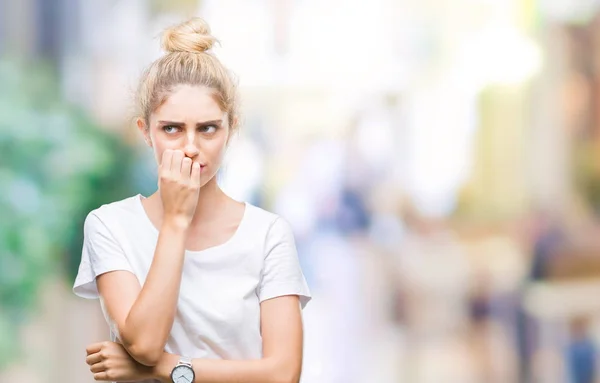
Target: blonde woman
{"x": 196, "y": 287}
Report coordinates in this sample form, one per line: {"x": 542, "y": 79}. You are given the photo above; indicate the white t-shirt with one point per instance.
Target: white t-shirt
{"x": 218, "y": 312}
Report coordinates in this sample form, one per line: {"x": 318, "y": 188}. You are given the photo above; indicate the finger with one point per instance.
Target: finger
{"x": 176, "y": 162}
{"x": 167, "y": 158}
{"x": 195, "y": 176}
{"x": 98, "y": 367}
{"x": 93, "y": 348}
{"x": 93, "y": 358}
{"x": 101, "y": 377}
{"x": 186, "y": 168}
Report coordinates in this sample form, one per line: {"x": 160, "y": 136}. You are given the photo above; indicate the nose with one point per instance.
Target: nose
{"x": 191, "y": 149}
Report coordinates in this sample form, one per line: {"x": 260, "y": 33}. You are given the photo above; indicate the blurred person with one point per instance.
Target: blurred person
{"x": 488, "y": 332}
{"x": 195, "y": 285}
{"x": 339, "y": 249}
{"x": 581, "y": 353}
{"x": 432, "y": 271}
{"x": 547, "y": 237}
{"x": 329, "y": 214}
{"x": 497, "y": 270}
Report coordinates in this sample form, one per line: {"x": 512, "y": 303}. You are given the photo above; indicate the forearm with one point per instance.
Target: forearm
{"x": 150, "y": 319}
{"x": 266, "y": 370}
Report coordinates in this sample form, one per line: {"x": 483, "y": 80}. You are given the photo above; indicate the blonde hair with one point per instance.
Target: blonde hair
{"x": 187, "y": 61}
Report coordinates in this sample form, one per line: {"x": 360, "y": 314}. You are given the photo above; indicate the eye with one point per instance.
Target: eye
{"x": 209, "y": 129}
{"x": 170, "y": 129}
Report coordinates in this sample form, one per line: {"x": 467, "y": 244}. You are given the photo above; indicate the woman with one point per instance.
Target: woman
{"x": 196, "y": 287}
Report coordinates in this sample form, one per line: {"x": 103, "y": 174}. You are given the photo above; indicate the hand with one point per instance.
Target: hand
{"x": 179, "y": 185}
{"x": 109, "y": 361}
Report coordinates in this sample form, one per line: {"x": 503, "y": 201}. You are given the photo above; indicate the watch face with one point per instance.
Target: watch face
{"x": 182, "y": 374}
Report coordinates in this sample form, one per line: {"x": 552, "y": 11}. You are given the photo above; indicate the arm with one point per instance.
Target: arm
{"x": 133, "y": 309}
{"x": 143, "y": 317}
{"x": 281, "y": 324}
{"x": 281, "y": 327}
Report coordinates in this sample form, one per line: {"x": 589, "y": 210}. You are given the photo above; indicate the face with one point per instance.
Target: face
{"x": 191, "y": 121}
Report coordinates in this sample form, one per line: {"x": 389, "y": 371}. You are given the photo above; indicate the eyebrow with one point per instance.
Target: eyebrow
{"x": 199, "y": 124}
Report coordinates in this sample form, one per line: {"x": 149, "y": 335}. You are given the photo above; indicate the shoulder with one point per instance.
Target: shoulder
{"x": 266, "y": 221}
{"x": 271, "y": 228}
{"x": 114, "y": 213}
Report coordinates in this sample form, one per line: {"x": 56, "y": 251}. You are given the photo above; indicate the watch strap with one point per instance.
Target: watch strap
{"x": 185, "y": 360}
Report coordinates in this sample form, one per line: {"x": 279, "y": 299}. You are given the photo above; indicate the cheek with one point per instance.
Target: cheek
{"x": 159, "y": 149}
{"x": 216, "y": 149}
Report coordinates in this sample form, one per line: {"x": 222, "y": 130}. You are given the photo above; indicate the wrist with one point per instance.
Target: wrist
{"x": 175, "y": 223}
{"x": 162, "y": 370}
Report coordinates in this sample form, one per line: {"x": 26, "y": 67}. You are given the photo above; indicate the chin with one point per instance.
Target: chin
{"x": 204, "y": 180}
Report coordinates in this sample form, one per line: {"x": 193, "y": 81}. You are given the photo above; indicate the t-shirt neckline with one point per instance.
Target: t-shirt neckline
{"x": 228, "y": 242}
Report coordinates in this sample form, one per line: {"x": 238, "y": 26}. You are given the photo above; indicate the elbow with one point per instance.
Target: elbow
{"x": 293, "y": 379}
{"x": 146, "y": 354}
{"x": 287, "y": 373}
{"x": 145, "y": 350}
{"x": 290, "y": 378}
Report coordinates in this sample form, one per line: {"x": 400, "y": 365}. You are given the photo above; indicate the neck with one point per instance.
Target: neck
{"x": 210, "y": 200}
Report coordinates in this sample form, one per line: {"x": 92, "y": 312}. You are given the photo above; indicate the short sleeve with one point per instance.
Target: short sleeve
{"x": 100, "y": 254}
{"x": 282, "y": 274}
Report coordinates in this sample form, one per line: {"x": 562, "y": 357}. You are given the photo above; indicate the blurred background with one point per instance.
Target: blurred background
{"x": 438, "y": 160}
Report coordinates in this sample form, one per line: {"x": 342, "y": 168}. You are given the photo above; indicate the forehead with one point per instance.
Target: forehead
{"x": 189, "y": 103}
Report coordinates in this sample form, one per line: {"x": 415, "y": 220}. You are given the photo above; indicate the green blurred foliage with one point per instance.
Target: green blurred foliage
{"x": 55, "y": 166}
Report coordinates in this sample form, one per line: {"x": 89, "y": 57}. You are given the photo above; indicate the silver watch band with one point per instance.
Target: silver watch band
{"x": 185, "y": 360}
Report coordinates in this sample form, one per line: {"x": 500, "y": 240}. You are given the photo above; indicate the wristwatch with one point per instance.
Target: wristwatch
{"x": 183, "y": 371}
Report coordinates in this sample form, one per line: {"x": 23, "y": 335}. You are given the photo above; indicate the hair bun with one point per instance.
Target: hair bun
{"x": 192, "y": 36}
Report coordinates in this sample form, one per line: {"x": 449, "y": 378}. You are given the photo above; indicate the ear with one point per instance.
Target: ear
{"x": 143, "y": 128}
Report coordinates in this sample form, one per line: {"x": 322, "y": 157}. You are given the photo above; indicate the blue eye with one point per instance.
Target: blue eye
{"x": 170, "y": 129}
{"x": 209, "y": 129}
